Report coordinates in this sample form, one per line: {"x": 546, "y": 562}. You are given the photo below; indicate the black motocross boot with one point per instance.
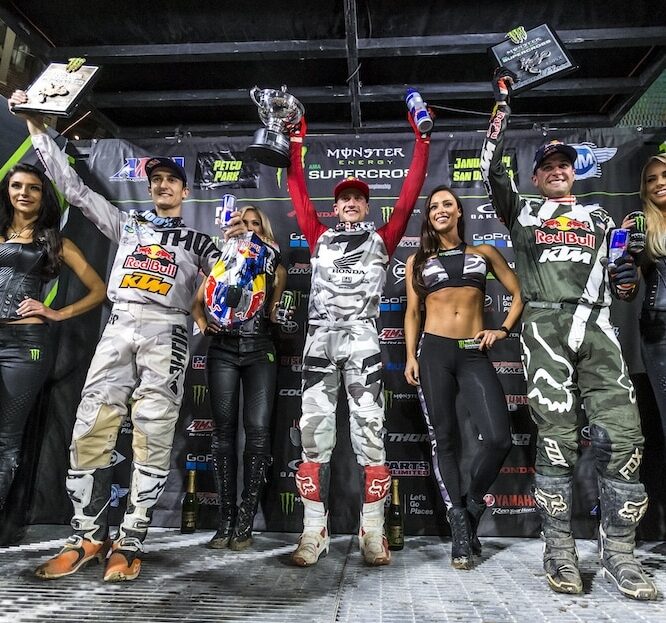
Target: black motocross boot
{"x": 623, "y": 504}
{"x": 552, "y": 495}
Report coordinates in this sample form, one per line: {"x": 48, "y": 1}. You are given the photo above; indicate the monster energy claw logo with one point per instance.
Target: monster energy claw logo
{"x": 74, "y": 64}
{"x": 287, "y": 500}
{"x": 388, "y": 398}
{"x": 386, "y": 213}
{"x": 199, "y": 394}
{"x": 35, "y": 354}
{"x": 517, "y": 35}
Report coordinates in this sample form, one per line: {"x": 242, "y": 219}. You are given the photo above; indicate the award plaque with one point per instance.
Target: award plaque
{"x": 59, "y": 88}
{"x": 535, "y": 56}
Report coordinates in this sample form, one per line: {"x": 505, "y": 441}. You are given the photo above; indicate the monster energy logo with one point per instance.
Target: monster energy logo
{"x": 199, "y": 394}
{"x": 662, "y": 148}
{"x": 271, "y": 357}
{"x": 35, "y": 354}
{"x": 639, "y": 220}
{"x": 287, "y": 500}
{"x": 388, "y": 398}
{"x": 517, "y": 35}
{"x": 74, "y": 64}
{"x": 386, "y": 213}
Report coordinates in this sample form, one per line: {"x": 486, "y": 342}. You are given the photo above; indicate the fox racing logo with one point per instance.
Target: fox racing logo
{"x": 552, "y": 503}
{"x": 379, "y": 487}
{"x": 633, "y": 511}
{"x": 305, "y": 485}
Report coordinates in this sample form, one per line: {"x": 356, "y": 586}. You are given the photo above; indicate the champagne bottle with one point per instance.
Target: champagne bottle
{"x": 188, "y": 521}
{"x": 394, "y": 523}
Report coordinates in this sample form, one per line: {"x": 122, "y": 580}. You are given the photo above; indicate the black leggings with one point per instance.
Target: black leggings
{"x": 252, "y": 361}
{"x": 23, "y": 368}
{"x": 653, "y": 349}
{"x": 444, "y": 369}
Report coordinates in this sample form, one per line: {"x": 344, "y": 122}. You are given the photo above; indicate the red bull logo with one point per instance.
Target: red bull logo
{"x": 153, "y": 258}
{"x": 566, "y": 232}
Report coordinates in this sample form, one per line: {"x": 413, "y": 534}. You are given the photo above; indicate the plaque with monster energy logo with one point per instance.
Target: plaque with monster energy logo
{"x": 59, "y": 88}
{"x": 535, "y": 56}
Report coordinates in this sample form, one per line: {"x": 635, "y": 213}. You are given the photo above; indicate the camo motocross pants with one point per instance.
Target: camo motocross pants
{"x": 570, "y": 354}
{"x": 350, "y": 353}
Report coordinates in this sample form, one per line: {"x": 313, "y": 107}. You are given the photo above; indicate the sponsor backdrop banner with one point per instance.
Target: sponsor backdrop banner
{"x": 607, "y": 169}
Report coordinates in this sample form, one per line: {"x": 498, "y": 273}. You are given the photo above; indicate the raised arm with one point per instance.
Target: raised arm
{"x": 394, "y": 230}
{"x": 499, "y": 185}
{"x": 306, "y": 215}
{"x": 105, "y": 216}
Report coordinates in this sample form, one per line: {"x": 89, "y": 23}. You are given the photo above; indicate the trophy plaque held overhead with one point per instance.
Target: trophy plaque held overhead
{"x": 60, "y": 88}
{"x": 535, "y": 56}
{"x": 277, "y": 110}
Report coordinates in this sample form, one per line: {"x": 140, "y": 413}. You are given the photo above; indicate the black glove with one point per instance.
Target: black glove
{"x": 503, "y": 80}
{"x": 623, "y": 272}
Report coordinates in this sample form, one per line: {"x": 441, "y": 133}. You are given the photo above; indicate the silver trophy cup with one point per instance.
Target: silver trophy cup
{"x": 277, "y": 111}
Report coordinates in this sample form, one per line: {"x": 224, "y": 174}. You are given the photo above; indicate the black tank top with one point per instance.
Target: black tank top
{"x": 21, "y": 268}
{"x": 454, "y": 268}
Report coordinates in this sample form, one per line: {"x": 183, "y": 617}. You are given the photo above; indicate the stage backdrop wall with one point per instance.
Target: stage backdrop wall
{"x": 608, "y": 172}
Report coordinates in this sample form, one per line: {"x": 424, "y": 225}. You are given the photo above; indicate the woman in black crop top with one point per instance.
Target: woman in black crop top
{"x": 448, "y": 278}
{"x": 246, "y": 355}
{"x": 653, "y": 265}
{"x": 31, "y": 253}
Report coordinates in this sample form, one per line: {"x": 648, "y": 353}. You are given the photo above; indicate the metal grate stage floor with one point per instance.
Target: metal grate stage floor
{"x": 183, "y": 581}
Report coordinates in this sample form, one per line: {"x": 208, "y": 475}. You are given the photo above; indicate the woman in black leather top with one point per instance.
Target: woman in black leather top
{"x": 653, "y": 265}
{"x": 448, "y": 278}
{"x": 31, "y": 253}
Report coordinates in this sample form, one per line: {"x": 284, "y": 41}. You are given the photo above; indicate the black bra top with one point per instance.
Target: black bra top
{"x": 453, "y": 268}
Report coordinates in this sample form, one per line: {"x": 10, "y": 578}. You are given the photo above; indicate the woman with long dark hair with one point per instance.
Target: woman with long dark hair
{"x": 31, "y": 253}
{"x": 448, "y": 279}
{"x": 243, "y": 353}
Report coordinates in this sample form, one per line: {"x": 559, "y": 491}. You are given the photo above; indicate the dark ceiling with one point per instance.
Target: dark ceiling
{"x": 178, "y": 67}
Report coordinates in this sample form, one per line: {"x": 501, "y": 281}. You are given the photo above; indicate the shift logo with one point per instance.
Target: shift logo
{"x": 590, "y": 158}
{"x": 134, "y": 169}
{"x": 199, "y": 393}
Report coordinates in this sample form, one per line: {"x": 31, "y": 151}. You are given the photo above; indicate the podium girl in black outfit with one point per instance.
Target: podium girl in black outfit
{"x": 448, "y": 278}
{"x": 31, "y": 253}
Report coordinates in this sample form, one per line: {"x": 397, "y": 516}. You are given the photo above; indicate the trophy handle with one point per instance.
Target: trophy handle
{"x": 253, "y": 91}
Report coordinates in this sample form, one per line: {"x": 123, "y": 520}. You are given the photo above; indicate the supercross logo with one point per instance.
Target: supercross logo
{"x": 134, "y": 169}
{"x": 392, "y": 335}
{"x": 590, "y": 158}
